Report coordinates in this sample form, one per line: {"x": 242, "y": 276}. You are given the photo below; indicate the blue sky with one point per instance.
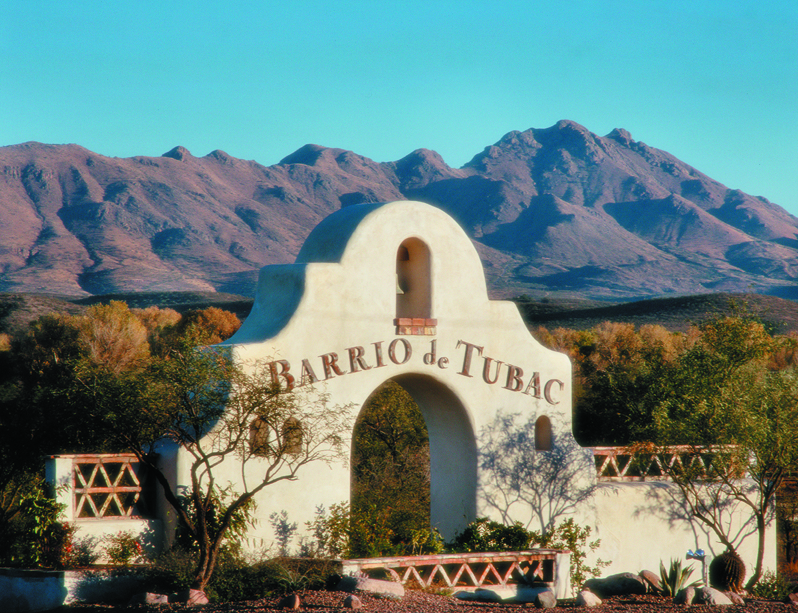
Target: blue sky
{"x": 713, "y": 83}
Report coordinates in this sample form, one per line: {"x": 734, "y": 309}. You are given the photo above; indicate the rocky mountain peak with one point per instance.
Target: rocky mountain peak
{"x": 221, "y": 157}
{"x": 307, "y": 154}
{"x": 621, "y": 136}
{"x": 555, "y": 209}
{"x": 178, "y": 153}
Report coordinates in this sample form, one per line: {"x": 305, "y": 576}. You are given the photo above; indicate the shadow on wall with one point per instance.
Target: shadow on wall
{"x": 666, "y": 502}
{"x": 534, "y": 468}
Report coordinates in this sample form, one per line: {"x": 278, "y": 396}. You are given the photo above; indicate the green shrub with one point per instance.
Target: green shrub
{"x": 369, "y": 532}
{"x": 330, "y": 532}
{"x": 236, "y": 531}
{"x": 772, "y": 587}
{"x": 34, "y": 537}
{"x": 123, "y": 548}
{"x": 171, "y": 571}
{"x": 83, "y": 552}
{"x": 569, "y": 535}
{"x": 487, "y": 535}
{"x": 236, "y": 578}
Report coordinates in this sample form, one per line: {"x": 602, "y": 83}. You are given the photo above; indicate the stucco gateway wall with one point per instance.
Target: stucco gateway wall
{"x": 397, "y": 291}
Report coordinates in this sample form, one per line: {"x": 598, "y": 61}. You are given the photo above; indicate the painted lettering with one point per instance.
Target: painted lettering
{"x": 533, "y": 387}
{"x": 467, "y": 357}
{"x": 392, "y": 350}
{"x": 330, "y": 362}
{"x": 429, "y": 358}
{"x": 486, "y": 370}
{"x": 283, "y": 372}
{"x": 306, "y": 375}
{"x": 356, "y": 360}
{"x": 400, "y": 351}
{"x": 378, "y": 353}
{"x": 547, "y": 390}
{"x": 514, "y": 378}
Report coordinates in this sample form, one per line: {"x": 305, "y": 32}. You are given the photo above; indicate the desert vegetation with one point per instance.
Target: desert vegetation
{"x": 725, "y": 390}
{"x": 110, "y": 378}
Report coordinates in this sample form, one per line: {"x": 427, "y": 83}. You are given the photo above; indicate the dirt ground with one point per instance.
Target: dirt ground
{"x": 421, "y": 602}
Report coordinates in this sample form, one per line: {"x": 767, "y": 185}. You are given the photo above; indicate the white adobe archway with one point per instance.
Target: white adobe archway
{"x": 397, "y": 291}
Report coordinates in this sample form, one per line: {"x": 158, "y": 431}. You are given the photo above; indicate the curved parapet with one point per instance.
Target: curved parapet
{"x": 355, "y": 255}
{"x": 396, "y": 291}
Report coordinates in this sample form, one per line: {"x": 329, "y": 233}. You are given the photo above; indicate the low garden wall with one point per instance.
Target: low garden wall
{"x": 28, "y": 591}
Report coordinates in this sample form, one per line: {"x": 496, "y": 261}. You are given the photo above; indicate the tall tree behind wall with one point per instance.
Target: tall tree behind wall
{"x": 390, "y": 472}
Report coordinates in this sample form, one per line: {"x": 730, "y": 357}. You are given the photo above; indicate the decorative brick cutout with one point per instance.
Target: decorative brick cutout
{"x": 416, "y": 326}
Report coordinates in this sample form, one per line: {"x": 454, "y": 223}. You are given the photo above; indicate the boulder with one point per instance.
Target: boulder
{"x": 390, "y": 589}
{"x": 515, "y": 594}
{"x": 545, "y": 600}
{"x": 621, "y": 584}
{"x": 352, "y": 602}
{"x": 192, "y": 598}
{"x": 791, "y": 599}
{"x": 734, "y": 597}
{"x": 652, "y": 580}
{"x": 711, "y": 596}
{"x": 148, "y": 598}
{"x": 291, "y": 601}
{"x": 587, "y": 599}
{"x": 685, "y": 596}
{"x": 497, "y": 594}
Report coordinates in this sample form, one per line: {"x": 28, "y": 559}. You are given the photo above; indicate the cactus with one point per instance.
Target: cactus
{"x": 727, "y": 571}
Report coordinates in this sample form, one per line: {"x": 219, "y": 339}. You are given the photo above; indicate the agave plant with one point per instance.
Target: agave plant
{"x": 675, "y": 579}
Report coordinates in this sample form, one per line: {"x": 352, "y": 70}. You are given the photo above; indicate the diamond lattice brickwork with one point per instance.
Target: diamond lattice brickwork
{"x": 107, "y": 486}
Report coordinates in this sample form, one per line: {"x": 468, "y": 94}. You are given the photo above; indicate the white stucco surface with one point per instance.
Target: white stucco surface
{"x": 327, "y": 323}
{"x": 643, "y": 523}
{"x": 340, "y": 297}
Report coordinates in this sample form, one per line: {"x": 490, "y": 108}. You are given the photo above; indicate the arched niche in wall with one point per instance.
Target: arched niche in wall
{"x": 414, "y": 288}
{"x": 543, "y": 433}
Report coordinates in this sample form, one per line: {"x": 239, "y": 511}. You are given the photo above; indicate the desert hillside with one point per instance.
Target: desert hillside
{"x": 550, "y": 210}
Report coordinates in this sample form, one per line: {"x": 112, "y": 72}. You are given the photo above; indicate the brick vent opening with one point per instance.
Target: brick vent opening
{"x": 415, "y": 326}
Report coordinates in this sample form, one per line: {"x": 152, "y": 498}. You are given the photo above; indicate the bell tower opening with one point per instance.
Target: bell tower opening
{"x": 414, "y": 289}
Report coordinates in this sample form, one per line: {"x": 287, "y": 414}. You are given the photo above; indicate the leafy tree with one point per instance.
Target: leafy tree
{"x": 615, "y": 370}
{"x": 390, "y": 474}
{"x": 91, "y": 383}
{"x": 216, "y": 412}
{"x": 216, "y": 323}
{"x": 737, "y": 417}
{"x": 726, "y": 390}
{"x": 158, "y": 322}
{"x": 114, "y": 338}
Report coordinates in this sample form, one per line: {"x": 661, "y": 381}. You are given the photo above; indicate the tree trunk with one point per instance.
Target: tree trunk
{"x": 760, "y": 552}
{"x": 205, "y": 568}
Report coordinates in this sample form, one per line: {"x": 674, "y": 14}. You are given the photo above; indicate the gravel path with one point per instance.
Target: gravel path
{"x": 421, "y": 602}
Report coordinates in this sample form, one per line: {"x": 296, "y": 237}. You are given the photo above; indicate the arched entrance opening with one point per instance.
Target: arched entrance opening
{"x": 390, "y": 497}
{"x": 452, "y": 464}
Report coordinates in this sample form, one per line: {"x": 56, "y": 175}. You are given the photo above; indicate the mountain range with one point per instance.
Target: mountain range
{"x": 554, "y": 210}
